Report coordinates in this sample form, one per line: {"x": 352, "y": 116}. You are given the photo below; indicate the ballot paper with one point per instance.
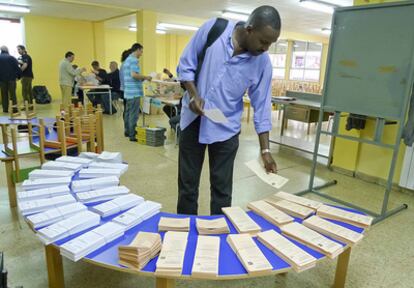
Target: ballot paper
{"x": 40, "y": 205}
{"x": 174, "y": 224}
{"x": 334, "y": 213}
{"x": 270, "y": 213}
{"x": 171, "y": 259}
{"x": 43, "y": 193}
{"x": 215, "y": 115}
{"x": 99, "y": 173}
{"x": 299, "y": 200}
{"x": 312, "y": 239}
{"x": 117, "y": 205}
{"x": 212, "y": 226}
{"x": 140, "y": 251}
{"x": 45, "y": 183}
{"x": 290, "y": 208}
{"x": 55, "y": 165}
{"x": 272, "y": 179}
{"x": 89, "y": 155}
{"x": 54, "y": 215}
{"x": 137, "y": 214}
{"x": 42, "y": 174}
{"x": 91, "y": 241}
{"x": 94, "y": 184}
{"x": 110, "y": 157}
{"x": 333, "y": 230}
{"x": 242, "y": 221}
{"x": 299, "y": 259}
{"x": 249, "y": 254}
{"x": 68, "y": 227}
{"x": 104, "y": 194}
{"x": 206, "y": 259}
{"x": 103, "y": 165}
{"x": 78, "y": 160}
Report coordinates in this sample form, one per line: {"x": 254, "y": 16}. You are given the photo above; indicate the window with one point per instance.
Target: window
{"x": 306, "y": 61}
{"x": 278, "y": 55}
{"x": 11, "y": 34}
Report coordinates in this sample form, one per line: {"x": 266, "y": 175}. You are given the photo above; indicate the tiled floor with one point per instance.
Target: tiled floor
{"x": 384, "y": 259}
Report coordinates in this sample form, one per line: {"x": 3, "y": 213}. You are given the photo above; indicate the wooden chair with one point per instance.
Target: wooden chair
{"x": 26, "y": 112}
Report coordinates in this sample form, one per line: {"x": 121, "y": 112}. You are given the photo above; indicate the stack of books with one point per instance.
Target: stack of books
{"x": 91, "y": 241}
{"x": 291, "y": 208}
{"x": 206, "y": 259}
{"x": 45, "y": 183}
{"x": 110, "y": 157}
{"x": 55, "y": 165}
{"x": 242, "y": 221}
{"x": 137, "y": 214}
{"x": 213, "y": 226}
{"x": 68, "y": 227}
{"x": 171, "y": 259}
{"x": 355, "y": 219}
{"x": 315, "y": 205}
{"x": 41, "y": 174}
{"x": 249, "y": 254}
{"x": 270, "y": 213}
{"x": 103, "y": 165}
{"x": 94, "y": 184}
{"x": 40, "y": 205}
{"x": 174, "y": 224}
{"x": 78, "y": 160}
{"x": 43, "y": 193}
{"x": 102, "y": 194}
{"x": 297, "y": 258}
{"x": 140, "y": 251}
{"x": 98, "y": 173}
{"x": 117, "y": 205}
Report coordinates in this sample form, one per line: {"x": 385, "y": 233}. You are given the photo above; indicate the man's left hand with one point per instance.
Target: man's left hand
{"x": 269, "y": 163}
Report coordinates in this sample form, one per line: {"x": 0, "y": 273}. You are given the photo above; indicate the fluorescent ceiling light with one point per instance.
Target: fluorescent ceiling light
{"x": 160, "y": 31}
{"x": 162, "y": 26}
{"x": 318, "y": 6}
{"x": 14, "y": 8}
{"x": 4, "y": 21}
{"x": 132, "y": 28}
{"x": 235, "y": 15}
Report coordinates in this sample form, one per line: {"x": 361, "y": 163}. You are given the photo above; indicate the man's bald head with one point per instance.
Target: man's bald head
{"x": 264, "y": 16}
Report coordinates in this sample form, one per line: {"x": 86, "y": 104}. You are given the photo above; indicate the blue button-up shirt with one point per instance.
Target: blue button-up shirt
{"x": 222, "y": 82}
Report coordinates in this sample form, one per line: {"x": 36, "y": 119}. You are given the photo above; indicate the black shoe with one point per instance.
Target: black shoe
{"x": 126, "y": 134}
{"x": 133, "y": 139}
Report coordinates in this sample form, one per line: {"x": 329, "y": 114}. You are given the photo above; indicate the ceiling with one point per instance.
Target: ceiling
{"x": 295, "y": 18}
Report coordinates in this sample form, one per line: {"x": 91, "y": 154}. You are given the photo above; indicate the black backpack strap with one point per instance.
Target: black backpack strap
{"x": 215, "y": 32}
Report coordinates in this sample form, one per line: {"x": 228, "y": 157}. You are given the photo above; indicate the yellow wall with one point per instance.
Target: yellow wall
{"x": 116, "y": 41}
{"x": 47, "y": 41}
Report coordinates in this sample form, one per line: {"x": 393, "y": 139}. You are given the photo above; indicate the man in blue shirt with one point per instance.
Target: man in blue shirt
{"x": 132, "y": 80}
{"x": 233, "y": 64}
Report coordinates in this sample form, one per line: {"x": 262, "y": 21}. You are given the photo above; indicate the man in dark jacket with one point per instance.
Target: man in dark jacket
{"x": 9, "y": 73}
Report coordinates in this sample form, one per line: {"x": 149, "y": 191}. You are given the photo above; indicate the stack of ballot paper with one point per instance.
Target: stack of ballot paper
{"x": 242, "y": 221}
{"x": 54, "y": 215}
{"x": 110, "y": 157}
{"x": 213, "y": 226}
{"x": 140, "y": 251}
{"x": 335, "y": 231}
{"x": 334, "y": 213}
{"x": 249, "y": 254}
{"x": 67, "y": 227}
{"x": 55, "y": 165}
{"x": 98, "y": 173}
{"x": 102, "y": 194}
{"x": 270, "y": 213}
{"x": 171, "y": 259}
{"x": 312, "y": 239}
{"x": 174, "y": 224}
{"x": 41, "y": 174}
{"x": 139, "y": 213}
{"x": 94, "y": 184}
{"x": 103, "y": 165}
{"x": 78, "y": 160}
{"x": 85, "y": 244}
{"x": 272, "y": 179}
{"x": 297, "y": 258}
{"x": 206, "y": 259}
{"x": 291, "y": 208}
{"x": 89, "y": 155}
{"x": 117, "y": 205}
{"x": 43, "y": 193}
{"x": 40, "y": 205}
{"x": 299, "y": 200}
{"x": 45, "y": 183}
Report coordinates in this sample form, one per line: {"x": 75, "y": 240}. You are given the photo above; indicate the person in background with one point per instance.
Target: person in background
{"x": 114, "y": 80}
{"x": 124, "y": 56}
{"x": 169, "y": 110}
{"x": 9, "y": 73}
{"x": 25, "y": 62}
{"x": 100, "y": 98}
{"x": 67, "y": 77}
{"x": 133, "y": 90}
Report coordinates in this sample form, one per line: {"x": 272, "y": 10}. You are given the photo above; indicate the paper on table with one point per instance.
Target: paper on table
{"x": 272, "y": 179}
{"x": 206, "y": 257}
{"x": 215, "y": 115}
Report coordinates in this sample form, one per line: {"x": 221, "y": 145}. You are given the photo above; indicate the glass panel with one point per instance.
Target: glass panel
{"x": 298, "y": 59}
{"x": 299, "y": 46}
{"x": 278, "y": 73}
{"x": 313, "y": 59}
{"x": 311, "y": 75}
{"x": 278, "y": 60}
{"x": 296, "y": 74}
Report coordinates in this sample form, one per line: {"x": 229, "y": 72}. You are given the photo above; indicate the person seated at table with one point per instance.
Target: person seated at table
{"x": 100, "y": 98}
{"x": 169, "y": 110}
{"x": 114, "y": 80}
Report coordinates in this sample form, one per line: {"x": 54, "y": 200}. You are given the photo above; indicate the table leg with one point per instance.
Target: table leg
{"x": 11, "y": 186}
{"x": 164, "y": 283}
{"x": 54, "y": 267}
{"x": 342, "y": 268}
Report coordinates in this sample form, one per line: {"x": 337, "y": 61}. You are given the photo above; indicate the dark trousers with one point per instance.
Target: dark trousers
{"x": 27, "y": 89}
{"x": 131, "y": 117}
{"x": 190, "y": 162}
{"x": 8, "y": 92}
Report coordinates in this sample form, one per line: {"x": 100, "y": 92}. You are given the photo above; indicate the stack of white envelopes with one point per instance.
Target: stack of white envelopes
{"x": 174, "y": 224}
{"x": 77, "y": 160}
{"x": 171, "y": 259}
{"x": 334, "y": 213}
{"x": 117, "y": 205}
{"x": 43, "y": 193}
{"x": 41, "y": 174}
{"x": 56, "y": 165}
{"x": 45, "y": 183}
{"x": 137, "y": 214}
{"x": 241, "y": 220}
{"x": 40, "y": 205}
{"x": 212, "y": 226}
{"x": 102, "y": 194}
{"x": 291, "y": 208}
{"x": 270, "y": 213}
{"x": 89, "y": 155}
{"x": 103, "y": 165}
{"x": 94, "y": 184}
{"x": 206, "y": 259}
{"x": 110, "y": 157}
{"x": 98, "y": 173}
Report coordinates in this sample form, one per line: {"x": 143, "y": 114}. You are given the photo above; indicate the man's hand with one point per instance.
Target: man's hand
{"x": 196, "y": 105}
{"x": 148, "y": 78}
{"x": 269, "y": 163}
